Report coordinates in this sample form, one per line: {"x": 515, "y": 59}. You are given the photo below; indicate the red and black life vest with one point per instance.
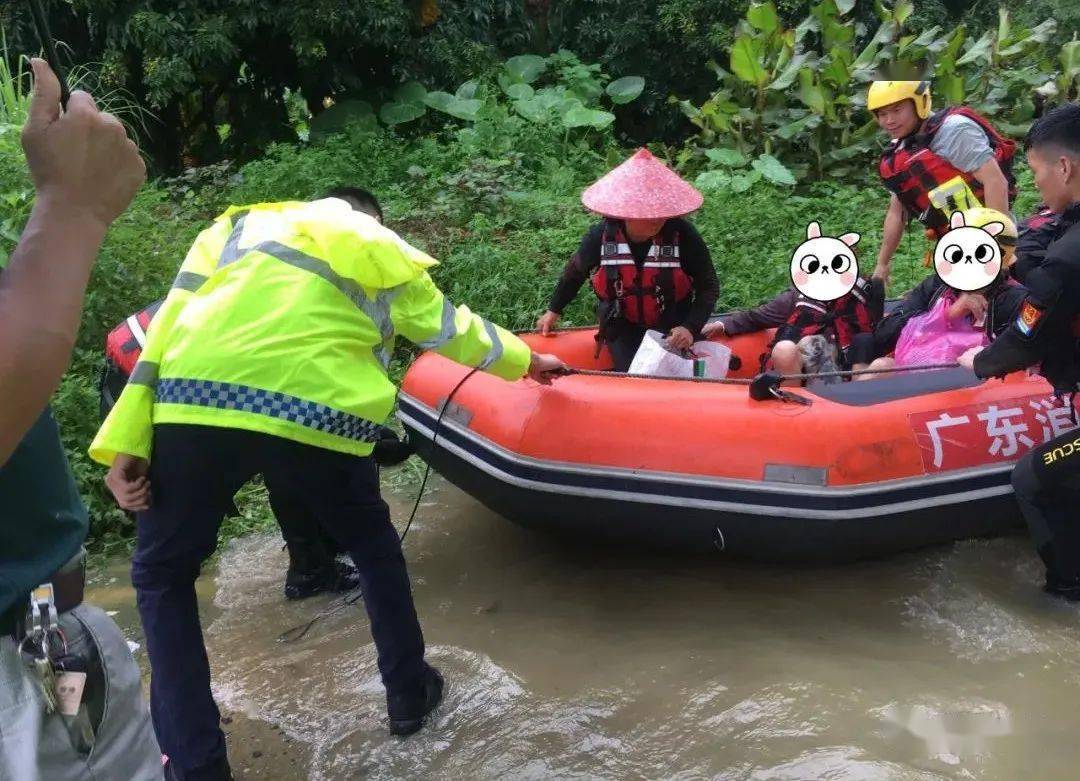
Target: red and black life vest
{"x": 641, "y": 292}
{"x": 1040, "y": 220}
{"x": 910, "y": 170}
{"x": 844, "y": 317}
{"x": 125, "y": 343}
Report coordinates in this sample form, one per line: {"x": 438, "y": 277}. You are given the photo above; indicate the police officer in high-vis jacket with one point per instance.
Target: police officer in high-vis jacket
{"x": 1044, "y": 334}
{"x": 270, "y": 356}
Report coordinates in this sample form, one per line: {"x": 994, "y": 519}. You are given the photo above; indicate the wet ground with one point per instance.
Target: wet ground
{"x": 573, "y": 661}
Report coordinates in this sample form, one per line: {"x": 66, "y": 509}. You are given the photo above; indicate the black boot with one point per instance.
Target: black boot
{"x": 335, "y": 577}
{"x": 1068, "y": 588}
{"x": 309, "y": 566}
{"x": 219, "y": 771}
{"x": 301, "y": 585}
{"x": 408, "y": 709}
{"x": 345, "y": 577}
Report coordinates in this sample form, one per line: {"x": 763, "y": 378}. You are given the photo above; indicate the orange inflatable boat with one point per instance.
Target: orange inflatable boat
{"x": 857, "y": 469}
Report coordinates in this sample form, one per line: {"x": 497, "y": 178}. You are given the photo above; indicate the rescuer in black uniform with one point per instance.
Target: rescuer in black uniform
{"x": 1045, "y": 334}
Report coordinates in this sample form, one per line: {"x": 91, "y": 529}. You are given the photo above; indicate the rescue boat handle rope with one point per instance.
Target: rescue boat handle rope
{"x": 354, "y": 596}
{"x": 748, "y": 380}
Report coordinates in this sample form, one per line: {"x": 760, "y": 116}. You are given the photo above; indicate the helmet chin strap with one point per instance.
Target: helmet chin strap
{"x": 917, "y": 130}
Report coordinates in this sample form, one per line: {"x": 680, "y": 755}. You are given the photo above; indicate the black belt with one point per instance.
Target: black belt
{"x": 68, "y": 584}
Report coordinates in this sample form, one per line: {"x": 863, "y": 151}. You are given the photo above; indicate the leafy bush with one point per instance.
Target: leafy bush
{"x": 798, "y": 94}
{"x": 558, "y": 92}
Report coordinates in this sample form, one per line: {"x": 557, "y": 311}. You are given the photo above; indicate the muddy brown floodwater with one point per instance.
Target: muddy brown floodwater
{"x": 573, "y": 661}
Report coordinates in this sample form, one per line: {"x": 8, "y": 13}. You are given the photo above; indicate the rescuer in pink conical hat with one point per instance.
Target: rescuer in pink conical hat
{"x": 648, "y": 265}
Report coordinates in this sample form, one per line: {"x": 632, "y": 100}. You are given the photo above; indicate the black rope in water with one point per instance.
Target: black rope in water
{"x": 297, "y": 632}
{"x": 434, "y": 436}
{"x": 354, "y": 596}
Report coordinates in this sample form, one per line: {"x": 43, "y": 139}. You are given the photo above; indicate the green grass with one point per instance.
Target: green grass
{"x": 14, "y": 88}
{"x": 502, "y": 225}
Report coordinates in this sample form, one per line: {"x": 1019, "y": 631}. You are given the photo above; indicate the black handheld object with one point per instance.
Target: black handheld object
{"x": 765, "y": 386}
{"x": 49, "y": 47}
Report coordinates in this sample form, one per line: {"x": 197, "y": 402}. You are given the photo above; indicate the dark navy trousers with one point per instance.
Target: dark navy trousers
{"x": 194, "y": 473}
{"x": 1047, "y": 486}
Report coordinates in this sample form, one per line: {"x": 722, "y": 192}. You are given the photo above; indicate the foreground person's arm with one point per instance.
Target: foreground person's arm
{"x": 85, "y": 172}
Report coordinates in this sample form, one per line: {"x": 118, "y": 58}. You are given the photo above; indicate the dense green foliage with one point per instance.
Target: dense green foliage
{"x": 799, "y": 93}
{"x": 558, "y": 91}
{"x": 218, "y": 80}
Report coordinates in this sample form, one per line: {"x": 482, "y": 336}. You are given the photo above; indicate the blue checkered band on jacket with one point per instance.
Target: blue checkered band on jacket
{"x": 226, "y": 395}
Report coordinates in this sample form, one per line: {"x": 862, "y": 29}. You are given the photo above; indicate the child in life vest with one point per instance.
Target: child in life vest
{"x": 991, "y": 307}
{"x": 825, "y": 322}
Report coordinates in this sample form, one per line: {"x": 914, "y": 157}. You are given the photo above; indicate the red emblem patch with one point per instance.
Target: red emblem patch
{"x": 1029, "y": 317}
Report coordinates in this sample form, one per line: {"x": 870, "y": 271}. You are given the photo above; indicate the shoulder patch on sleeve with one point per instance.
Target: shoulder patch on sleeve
{"x": 1029, "y": 317}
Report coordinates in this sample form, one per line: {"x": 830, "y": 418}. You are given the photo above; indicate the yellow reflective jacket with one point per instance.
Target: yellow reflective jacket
{"x": 282, "y": 320}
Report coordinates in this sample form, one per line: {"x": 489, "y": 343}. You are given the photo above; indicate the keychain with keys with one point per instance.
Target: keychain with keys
{"x": 46, "y": 676}
{"x": 36, "y": 656}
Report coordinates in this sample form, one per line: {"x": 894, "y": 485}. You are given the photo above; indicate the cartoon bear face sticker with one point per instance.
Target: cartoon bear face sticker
{"x": 824, "y": 268}
{"x": 967, "y": 258}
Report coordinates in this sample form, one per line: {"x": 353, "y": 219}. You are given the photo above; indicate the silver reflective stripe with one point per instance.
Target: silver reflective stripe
{"x": 378, "y": 310}
{"x": 144, "y": 373}
{"x": 447, "y": 331}
{"x": 383, "y": 301}
{"x": 137, "y": 330}
{"x": 231, "y": 252}
{"x": 189, "y": 280}
{"x": 496, "y": 351}
{"x": 809, "y": 305}
{"x": 624, "y": 249}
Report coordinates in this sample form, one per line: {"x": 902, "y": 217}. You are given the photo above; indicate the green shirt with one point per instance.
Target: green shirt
{"x": 42, "y": 519}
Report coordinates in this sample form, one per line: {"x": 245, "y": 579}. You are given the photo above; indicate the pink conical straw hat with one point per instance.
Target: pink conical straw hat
{"x": 642, "y": 188}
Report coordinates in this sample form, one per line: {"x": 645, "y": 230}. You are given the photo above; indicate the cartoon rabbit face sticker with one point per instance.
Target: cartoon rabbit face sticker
{"x": 824, "y": 268}
{"x": 967, "y": 258}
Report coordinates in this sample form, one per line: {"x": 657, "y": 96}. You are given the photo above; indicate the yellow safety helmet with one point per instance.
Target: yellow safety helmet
{"x": 980, "y": 216}
{"x": 884, "y": 93}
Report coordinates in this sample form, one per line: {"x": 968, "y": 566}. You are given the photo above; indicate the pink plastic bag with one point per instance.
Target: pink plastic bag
{"x": 931, "y": 338}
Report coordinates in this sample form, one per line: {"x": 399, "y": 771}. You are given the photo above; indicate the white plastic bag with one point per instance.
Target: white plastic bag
{"x": 717, "y": 358}
{"x": 655, "y": 359}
